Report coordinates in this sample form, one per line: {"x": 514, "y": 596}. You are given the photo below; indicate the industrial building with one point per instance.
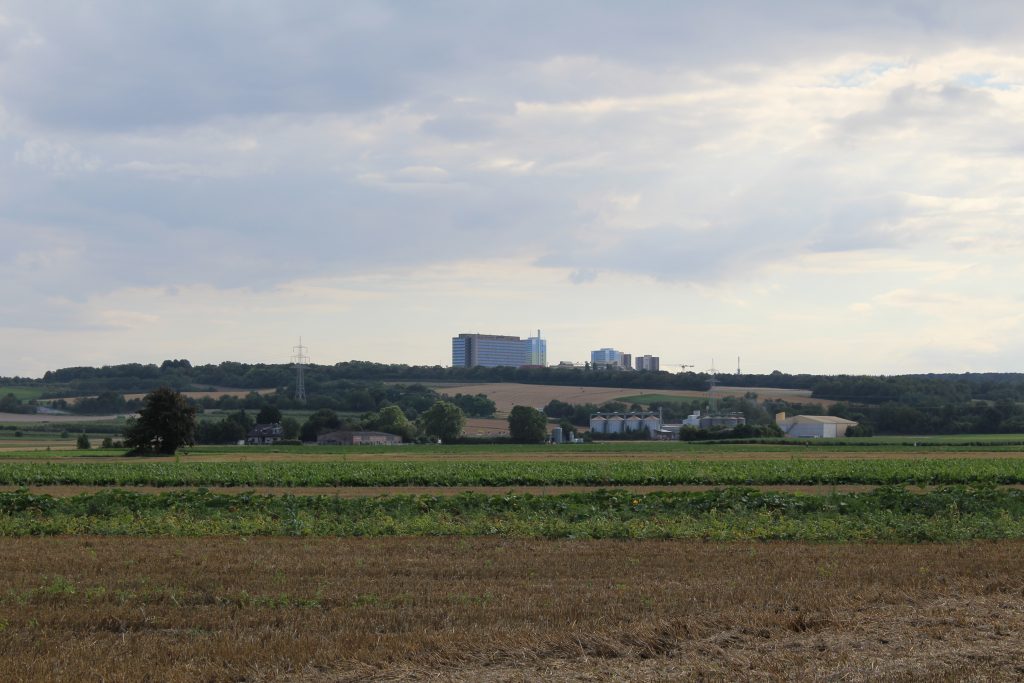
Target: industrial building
{"x": 350, "y": 438}
{"x": 813, "y": 426}
{"x": 699, "y": 420}
{"x": 493, "y": 350}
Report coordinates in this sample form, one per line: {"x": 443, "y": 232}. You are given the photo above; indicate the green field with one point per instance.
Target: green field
{"x": 522, "y": 473}
{"x": 486, "y": 453}
{"x": 960, "y": 490}
{"x": 873, "y": 447}
{"x": 887, "y": 514}
{"x": 22, "y": 393}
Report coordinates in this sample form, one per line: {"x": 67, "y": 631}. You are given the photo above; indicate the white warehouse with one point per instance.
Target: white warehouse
{"x": 813, "y": 426}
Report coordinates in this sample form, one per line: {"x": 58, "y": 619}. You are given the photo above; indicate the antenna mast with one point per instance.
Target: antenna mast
{"x": 712, "y": 382}
{"x": 299, "y": 361}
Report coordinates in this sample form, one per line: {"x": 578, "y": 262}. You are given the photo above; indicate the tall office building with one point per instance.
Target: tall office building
{"x": 648, "y": 362}
{"x": 606, "y": 358}
{"x": 494, "y": 350}
{"x": 536, "y": 351}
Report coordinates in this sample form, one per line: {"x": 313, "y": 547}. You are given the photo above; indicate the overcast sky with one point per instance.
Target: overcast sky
{"x": 814, "y": 186}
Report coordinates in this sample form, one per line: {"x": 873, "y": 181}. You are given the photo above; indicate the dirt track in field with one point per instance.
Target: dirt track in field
{"x": 480, "y": 609}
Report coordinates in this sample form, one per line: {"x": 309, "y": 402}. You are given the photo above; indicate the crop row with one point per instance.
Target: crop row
{"x": 887, "y": 514}
{"x": 544, "y": 473}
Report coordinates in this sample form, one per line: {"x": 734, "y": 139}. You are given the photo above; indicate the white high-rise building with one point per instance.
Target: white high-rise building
{"x": 494, "y": 350}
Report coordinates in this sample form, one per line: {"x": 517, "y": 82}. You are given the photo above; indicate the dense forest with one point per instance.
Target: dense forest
{"x": 897, "y": 404}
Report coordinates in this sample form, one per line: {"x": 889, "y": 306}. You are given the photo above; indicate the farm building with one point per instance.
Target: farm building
{"x": 265, "y": 434}
{"x": 348, "y": 438}
{"x": 813, "y": 426}
{"x": 618, "y": 423}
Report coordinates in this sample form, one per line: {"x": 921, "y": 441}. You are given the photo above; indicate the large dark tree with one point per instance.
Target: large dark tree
{"x": 444, "y": 421}
{"x": 319, "y": 422}
{"x": 165, "y": 423}
{"x": 527, "y": 425}
{"x": 268, "y": 415}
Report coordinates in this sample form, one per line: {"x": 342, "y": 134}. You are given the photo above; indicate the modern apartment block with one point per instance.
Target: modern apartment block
{"x": 495, "y": 350}
{"x": 648, "y": 362}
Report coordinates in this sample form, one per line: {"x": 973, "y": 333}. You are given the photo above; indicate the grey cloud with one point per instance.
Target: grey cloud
{"x": 113, "y": 64}
{"x": 262, "y": 230}
{"x": 582, "y": 276}
{"x": 461, "y": 128}
{"x": 160, "y": 208}
{"x": 913, "y": 105}
{"x": 865, "y": 223}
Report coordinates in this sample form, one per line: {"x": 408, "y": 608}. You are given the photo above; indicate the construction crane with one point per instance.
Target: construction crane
{"x": 682, "y": 366}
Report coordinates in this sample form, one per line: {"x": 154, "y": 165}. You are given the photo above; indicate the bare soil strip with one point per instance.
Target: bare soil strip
{"x": 479, "y": 609}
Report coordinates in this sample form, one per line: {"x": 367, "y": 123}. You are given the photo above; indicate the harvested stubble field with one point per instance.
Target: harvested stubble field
{"x": 508, "y": 394}
{"x": 167, "y": 583}
{"x": 319, "y": 610}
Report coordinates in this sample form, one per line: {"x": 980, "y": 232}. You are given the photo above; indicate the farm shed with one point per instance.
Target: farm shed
{"x": 813, "y": 426}
{"x": 348, "y": 438}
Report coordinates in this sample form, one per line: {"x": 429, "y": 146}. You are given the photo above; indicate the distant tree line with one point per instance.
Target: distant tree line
{"x": 922, "y": 389}
{"x": 11, "y": 404}
{"x": 899, "y": 404}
